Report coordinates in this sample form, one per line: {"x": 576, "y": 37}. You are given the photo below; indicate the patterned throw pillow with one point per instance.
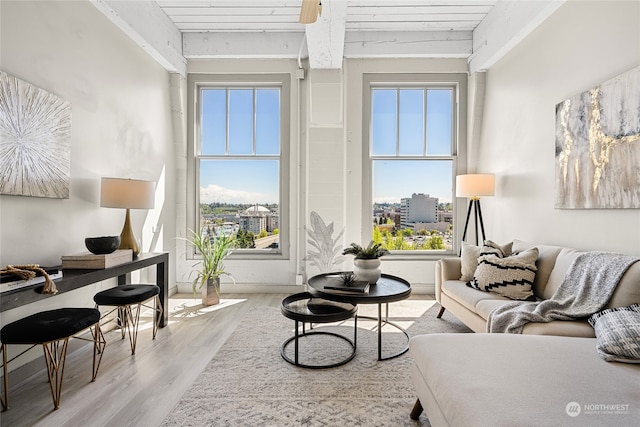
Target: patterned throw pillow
{"x": 470, "y": 253}
{"x": 511, "y": 277}
{"x": 618, "y": 333}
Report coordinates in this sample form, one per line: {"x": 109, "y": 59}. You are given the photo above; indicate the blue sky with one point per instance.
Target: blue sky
{"x": 398, "y": 128}
{"x": 244, "y": 180}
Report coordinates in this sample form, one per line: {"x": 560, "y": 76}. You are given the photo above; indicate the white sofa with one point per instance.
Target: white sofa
{"x": 473, "y": 306}
{"x": 511, "y": 380}
{"x": 551, "y": 375}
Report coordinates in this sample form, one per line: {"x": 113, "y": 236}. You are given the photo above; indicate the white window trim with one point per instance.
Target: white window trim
{"x": 459, "y": 149}
{"x": 195, "y": 82}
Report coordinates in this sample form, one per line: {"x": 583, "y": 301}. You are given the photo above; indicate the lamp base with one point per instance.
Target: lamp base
{"x": 474, "y": 204}
{"x": 127, "y": 238}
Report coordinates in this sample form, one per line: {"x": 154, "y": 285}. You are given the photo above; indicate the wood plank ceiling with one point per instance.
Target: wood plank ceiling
{"x": 176, "y": 31}
{"x": 346, "y": 28}
{"x": 362, "y": 15}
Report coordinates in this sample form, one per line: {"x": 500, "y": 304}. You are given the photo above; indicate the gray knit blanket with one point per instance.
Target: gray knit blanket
{"x": 586, "y": 289}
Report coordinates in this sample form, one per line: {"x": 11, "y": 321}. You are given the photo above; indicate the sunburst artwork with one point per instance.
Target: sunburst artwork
{"x": 598, "y": 146}
{"x": 35, "y": 140}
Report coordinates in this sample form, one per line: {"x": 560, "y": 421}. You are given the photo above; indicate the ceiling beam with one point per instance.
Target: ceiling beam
{"x": 242, "y": 45}
{"x": 326, "y": 36}
{"x": 506, "y": 25}
{"x": 147, "y": 24}
{"x": 408, "y": 44}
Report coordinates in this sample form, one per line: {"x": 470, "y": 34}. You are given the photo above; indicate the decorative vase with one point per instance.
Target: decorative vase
{"x": 211, "y": 292}
{"x": 367, "y": 269}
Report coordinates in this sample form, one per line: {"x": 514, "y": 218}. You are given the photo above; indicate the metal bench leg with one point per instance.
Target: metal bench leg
{"x": 416, "y": 411}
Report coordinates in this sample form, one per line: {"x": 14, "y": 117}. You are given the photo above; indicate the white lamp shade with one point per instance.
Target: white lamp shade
{"x": 127, "y": 193}
{"x": 475, "y": 185}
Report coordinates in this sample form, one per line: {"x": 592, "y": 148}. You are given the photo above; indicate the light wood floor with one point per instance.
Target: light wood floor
{"x": 137, "y": 390}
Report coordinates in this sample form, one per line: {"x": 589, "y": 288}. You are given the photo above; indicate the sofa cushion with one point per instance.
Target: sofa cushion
{"x": 565, "y": 258}
{"x": 470, "y": 253}
{"x": 511, "y": 276}
{"x": 628, "y": 290}
{"x": 466, "y": 295}
{"x": 486, "y": 306}
{"x": 618, "y": 333}
{"x": 546, "y": 261}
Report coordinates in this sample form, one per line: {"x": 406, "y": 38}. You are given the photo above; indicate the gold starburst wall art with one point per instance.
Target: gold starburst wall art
{"x": 598, "y": 146}
{"x": 35, "y": 140}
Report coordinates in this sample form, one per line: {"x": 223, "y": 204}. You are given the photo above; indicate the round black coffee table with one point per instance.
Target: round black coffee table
{"x": 388, "y": 289}
{"x": 306, "y": 308}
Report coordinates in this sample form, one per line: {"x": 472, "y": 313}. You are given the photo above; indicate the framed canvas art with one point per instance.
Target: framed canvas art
{"x": 598, "y": 146}
{"x": 35, "y": 140}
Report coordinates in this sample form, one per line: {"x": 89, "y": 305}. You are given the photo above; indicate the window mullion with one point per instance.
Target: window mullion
{"x": 227, "y": 103}
{"x": 424, "y": 125}
{"x": 255, "y": 120}
{"x": 397, "y": 122}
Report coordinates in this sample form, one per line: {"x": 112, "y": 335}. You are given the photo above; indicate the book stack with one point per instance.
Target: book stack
{"x": 338, "y": 286}
{"x": 10, "y": 282}
{"x": 87, "y": 260}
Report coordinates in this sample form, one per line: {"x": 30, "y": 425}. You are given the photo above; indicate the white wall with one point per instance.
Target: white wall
{"x": 582, "y": 45}
{"x": 121, "y": 127}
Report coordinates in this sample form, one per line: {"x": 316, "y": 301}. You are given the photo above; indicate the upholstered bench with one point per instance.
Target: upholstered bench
{"x": 521, "y": 380}
{"x": 52, "y": 329}
{"x": 123, "y": 297}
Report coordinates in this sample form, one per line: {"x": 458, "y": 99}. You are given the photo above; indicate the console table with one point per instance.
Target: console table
{"x": 74, "y": 279}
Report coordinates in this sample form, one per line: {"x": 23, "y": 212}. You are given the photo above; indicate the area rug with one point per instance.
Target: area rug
{"x": 247, "y": 383}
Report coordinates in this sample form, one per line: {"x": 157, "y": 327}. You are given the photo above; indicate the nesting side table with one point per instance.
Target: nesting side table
{"x": 304, "y": 307}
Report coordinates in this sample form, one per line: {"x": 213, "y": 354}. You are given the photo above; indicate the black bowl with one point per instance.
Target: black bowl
{"x": 102, "y": 245}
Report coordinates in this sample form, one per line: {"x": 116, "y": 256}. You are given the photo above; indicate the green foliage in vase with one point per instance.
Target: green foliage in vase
{"x": 214, "y": 251}
{"x": 372, "y": 251}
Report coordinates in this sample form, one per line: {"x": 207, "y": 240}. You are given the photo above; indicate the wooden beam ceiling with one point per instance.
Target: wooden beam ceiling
{"x": 173, "y": 31}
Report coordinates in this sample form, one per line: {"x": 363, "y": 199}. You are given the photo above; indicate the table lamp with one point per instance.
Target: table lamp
{"x": 474, "y": 186}
{"x": 127, "y": 194}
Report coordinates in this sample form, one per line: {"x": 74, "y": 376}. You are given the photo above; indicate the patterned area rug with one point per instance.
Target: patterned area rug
{"x": 247, "y": 383}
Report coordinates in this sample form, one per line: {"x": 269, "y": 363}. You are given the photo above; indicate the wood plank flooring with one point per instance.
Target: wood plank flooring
{"x": 137, "y": 390}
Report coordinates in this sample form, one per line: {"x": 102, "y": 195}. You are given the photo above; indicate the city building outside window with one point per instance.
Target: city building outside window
{"x": 413, "y": 138}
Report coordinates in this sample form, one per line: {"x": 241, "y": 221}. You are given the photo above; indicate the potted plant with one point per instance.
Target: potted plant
{"x": 367, "y": 260}
{"x": 214, "y": 251}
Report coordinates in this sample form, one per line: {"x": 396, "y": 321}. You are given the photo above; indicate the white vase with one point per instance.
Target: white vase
{"x": 367, "y": 269}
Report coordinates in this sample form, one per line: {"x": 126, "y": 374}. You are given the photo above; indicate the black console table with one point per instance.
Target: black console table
{"x": 74, "y": 279}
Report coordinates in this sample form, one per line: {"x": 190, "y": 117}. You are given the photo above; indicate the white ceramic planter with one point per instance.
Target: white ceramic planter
{"x": 367, "y": 269}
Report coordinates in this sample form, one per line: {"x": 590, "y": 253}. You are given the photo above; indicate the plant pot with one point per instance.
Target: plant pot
{"x": 211, "y": 292}
{"x": 367, "y": 269}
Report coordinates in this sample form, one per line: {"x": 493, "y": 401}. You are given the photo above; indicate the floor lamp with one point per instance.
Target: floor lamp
{"x": 127, "y": 194}
{"x": 474, "y": 186}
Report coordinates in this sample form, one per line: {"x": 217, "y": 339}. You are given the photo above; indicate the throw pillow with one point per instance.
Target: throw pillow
{"x": 511, "y": 277}
{"x": 618, "y": 333}
{"x": 470, "y": 253}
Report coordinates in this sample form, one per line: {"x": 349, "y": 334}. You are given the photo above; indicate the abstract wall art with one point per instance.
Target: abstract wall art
{"x": 35, "y": 140}
{"x": 598, "y": 146}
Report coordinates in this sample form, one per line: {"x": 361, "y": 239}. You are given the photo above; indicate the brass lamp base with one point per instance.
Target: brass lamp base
{"x": 127, "y": 238}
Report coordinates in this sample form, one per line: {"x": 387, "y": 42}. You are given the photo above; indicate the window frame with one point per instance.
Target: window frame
{"x": 456, "y": 81}
{"x": 196, "y": 83}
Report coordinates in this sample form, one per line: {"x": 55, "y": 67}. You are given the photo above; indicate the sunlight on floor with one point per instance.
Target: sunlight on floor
{"x": 180, "y": 307}
{"x": 403, "y": 313}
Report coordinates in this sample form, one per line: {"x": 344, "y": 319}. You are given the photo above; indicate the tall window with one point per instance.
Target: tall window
{"x": 413, "y": 135}
{"x": 239, "y": 163}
